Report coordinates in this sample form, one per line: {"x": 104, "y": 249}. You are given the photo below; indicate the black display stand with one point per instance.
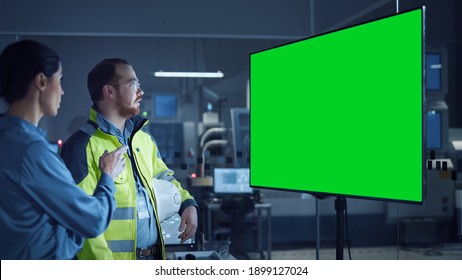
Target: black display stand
{"x": 340, "y": 205}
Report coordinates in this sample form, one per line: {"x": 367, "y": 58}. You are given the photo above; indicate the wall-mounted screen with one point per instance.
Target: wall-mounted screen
{"x": 165, "y": 106}
{"x": 433, "y": 71}
{"x": 436, "y": 72}
{"x": 434, "y": 130}
{"x": 342, "y": 113}
{"x": 437, "y": 128}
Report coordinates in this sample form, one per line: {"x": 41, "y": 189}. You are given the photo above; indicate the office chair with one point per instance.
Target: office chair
{"x": 236, "y": 209}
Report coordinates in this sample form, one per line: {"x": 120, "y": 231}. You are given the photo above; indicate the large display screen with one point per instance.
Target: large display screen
{"x": 342, "y": 113}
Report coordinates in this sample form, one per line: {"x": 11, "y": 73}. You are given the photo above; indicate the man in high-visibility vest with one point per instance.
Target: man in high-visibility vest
{"x": 134, "y": 232}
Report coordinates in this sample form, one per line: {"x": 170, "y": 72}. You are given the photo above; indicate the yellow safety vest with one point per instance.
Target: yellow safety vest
{"x": 119, "y": 240}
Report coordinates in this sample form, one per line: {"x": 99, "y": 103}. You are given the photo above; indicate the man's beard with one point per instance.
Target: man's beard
{"x": 126, "y": 110}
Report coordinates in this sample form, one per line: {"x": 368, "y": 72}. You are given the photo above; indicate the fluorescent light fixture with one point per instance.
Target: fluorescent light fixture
{"x": 217, "y": 74}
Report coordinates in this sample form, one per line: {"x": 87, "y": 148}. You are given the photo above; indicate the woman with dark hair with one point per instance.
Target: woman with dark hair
{"x": 43, "y": 214}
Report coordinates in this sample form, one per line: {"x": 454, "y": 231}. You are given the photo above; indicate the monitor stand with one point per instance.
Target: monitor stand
{"x": 340, "y": 205}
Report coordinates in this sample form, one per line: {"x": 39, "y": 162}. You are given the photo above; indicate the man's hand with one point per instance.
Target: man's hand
{"x": 113, "y": 163}
{"x": 188, "y": 224}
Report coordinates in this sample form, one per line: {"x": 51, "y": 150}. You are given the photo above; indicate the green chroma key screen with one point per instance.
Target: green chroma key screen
{"x": 342, "y": 113}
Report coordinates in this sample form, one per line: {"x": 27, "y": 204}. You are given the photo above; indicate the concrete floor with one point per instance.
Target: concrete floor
{"x": 444, "y": 252}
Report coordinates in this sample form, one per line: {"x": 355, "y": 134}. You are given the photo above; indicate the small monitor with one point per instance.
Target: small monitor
{"x": 170, "y": 232}
{"x": 165, "y": 106}
{"x": 231, "y": 181}
{"x": 436, "y": 71}
{"x": 434, "y": 130}
{"x": 433, "y": 68}
{"x": 437, "y": 128}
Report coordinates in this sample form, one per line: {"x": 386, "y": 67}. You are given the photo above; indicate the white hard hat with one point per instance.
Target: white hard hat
{"x": 168, "y": 199}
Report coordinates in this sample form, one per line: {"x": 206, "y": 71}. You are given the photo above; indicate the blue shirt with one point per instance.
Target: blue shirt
{"x": 146, "y": 227}
{"x": 43, "y": 213}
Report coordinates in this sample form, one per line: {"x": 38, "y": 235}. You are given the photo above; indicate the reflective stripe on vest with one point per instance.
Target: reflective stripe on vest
{"x": 124, "y": 214}
{"x": 118, "y": 246}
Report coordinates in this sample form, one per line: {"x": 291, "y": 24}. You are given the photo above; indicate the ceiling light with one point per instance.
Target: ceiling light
{"x": 217, "y": 74}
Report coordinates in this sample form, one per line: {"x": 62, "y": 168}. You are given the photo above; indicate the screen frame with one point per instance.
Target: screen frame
{"x": 422, "y": 193}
